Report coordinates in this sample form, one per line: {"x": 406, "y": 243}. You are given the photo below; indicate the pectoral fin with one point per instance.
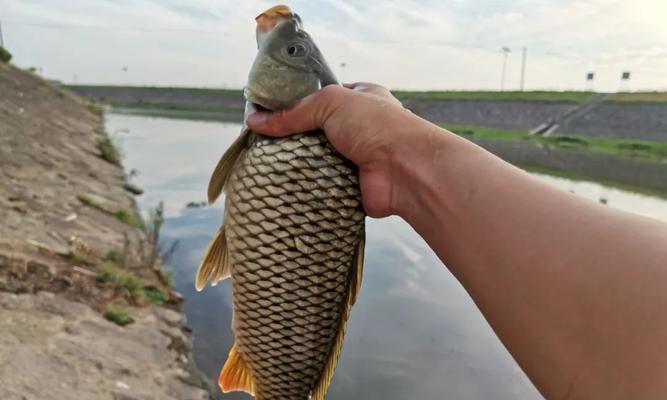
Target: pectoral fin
{"x": 215, "y": 265}
{"x": 235, "y": 375}
{"x": 320, "y": 390}
{"x": 225, "y": 166}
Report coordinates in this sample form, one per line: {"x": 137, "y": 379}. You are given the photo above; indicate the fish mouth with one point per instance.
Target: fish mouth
{"x": 258, "y": 103}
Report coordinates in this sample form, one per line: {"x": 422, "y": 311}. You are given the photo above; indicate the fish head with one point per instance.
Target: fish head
{"x": 288, "y": 66}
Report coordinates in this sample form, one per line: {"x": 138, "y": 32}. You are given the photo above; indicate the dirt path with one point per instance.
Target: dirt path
{"x": 66, "y": 219}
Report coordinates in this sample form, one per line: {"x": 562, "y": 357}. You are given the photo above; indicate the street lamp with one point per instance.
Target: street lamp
{"x": 505, "y": 51}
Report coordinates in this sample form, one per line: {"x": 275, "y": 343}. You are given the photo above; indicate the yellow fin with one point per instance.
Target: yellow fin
{"x": 223, "y": 170}
{"x": 215, "y": 265}
{"x": 235, "y": 375}
{"x": 359, "y": 270}
{"x": 320, "y": 390}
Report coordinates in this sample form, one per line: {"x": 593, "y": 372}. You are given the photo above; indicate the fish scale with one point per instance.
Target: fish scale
{"x": 293, "y": 220}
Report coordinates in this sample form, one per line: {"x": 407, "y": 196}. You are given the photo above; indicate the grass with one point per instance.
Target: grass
{"x": 5, "y": 55}
{"x": 639, "y": 97}
{"x": 91, "y": 202}
{"x": 131, "y": 283}
{"x": 79, "y": 256}
{"x": 642, "y": 149}
{"x": 110, "y": 273}
{"x": 174, "y": 107}
{"x": 108, "y": 150}
{"x": 118, "y": 314}
{"x": 95, "y": 108}
{"x": 169, "y": 276}
{"x": 127, "y": 216}
{"x": 113, "y": 255}
{"x": 537, "y": 96}
{"x": 227, "y": 92}
{"x": 155, "y": 295}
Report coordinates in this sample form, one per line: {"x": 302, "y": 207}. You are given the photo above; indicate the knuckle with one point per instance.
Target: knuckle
{"x": 331, "y": 92}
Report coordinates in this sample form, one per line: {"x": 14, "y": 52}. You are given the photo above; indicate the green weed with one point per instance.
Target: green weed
{"x": 79, "y": 256}
{"x": 109, "y": 273}
{"x": 5, "y": 55}
{"x": 113, "y": 255}
{"x": 118, "y": 314}
{"x": 532, "y": 96}
{"x": 129, "y": 217}
{"x": 108, "y": 150}
{"x": 155, "y": 295}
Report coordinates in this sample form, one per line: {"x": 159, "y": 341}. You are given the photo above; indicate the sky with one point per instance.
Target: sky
{"x": 402, "y": 44}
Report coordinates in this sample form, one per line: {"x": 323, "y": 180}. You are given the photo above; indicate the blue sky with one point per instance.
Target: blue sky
{"x": 447, "y": 44}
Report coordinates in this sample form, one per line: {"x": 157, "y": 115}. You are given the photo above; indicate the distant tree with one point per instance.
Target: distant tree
{"x": 5, "y": 55}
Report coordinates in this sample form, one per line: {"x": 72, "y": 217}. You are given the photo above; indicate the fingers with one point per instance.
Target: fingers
{"x": 308, "y": 114}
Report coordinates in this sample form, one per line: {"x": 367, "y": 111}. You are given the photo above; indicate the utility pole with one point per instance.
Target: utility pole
{"x": 342, "y": 72}
{"x": 505, "y": 51}
{"x": 523, "y": 68}
{"x": 2, "y": 41}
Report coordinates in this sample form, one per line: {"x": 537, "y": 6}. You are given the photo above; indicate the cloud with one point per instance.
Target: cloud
{"x": 450, "y": 44}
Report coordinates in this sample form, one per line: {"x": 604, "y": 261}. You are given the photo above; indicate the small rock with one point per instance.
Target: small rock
{"x": 70, "y": 217}
{"x": 122, "y": 385}
{"x": 179, "y": 373}
{"x": 133, "y": 189}
{"x": 171, "y": 317}
{"x": 35, "y": 267}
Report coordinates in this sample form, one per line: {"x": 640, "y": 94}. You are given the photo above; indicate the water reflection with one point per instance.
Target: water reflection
{"x": 414, "y": 332}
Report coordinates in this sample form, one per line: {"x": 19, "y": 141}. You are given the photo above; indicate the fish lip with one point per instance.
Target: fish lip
{"x": 262, "y": 103}
{"x": 259, "y": 103}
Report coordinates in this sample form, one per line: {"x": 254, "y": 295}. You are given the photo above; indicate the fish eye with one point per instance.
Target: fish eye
{"x": 296, "y": 50}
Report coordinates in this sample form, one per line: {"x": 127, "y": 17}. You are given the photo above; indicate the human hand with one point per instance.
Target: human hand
{"x": 365, "y": 123}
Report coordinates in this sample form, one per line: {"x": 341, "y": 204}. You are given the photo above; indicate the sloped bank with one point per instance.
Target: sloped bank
{"x": 76, "y": 262}
{"x": 643, "y": 176}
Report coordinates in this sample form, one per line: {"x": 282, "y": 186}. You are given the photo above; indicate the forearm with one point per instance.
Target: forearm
{"x": 575, "y": 290}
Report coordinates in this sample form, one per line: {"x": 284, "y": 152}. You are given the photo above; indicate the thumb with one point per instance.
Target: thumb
{"x": 308, "y": 114}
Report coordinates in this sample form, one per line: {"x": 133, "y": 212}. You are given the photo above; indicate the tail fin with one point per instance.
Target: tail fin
{"x": 235, "y": 375}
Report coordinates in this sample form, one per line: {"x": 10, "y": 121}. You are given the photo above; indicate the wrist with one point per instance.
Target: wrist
{"x": 430, "y": 171}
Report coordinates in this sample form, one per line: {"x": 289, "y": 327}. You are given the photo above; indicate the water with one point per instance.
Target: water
{"x": 414, "y": 332}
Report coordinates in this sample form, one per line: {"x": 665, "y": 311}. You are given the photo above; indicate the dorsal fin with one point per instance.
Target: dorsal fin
{"x": 320, "y": 390}
{"x": 225, "y": 166}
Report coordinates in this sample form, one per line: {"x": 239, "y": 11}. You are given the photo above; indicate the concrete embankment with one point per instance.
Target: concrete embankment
{"x": 639, "y": 120}
{"x": 72, "y": 252}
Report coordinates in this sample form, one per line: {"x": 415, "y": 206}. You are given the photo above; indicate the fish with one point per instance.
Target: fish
{"x": 293, "y": 233}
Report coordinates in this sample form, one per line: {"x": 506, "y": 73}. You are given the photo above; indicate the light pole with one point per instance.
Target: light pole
{"x": 523, "y": 68}
{"x": 342, "y": 72}
{"x": 505, "y": 51}
{"x": 2, "y": 41}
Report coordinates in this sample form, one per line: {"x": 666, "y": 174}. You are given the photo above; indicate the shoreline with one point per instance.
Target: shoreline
{"x": 85, "y": 309}
{"x": 628, "y": 170}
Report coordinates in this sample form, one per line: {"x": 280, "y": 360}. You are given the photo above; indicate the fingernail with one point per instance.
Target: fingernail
{"x": 257, "y": 118}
